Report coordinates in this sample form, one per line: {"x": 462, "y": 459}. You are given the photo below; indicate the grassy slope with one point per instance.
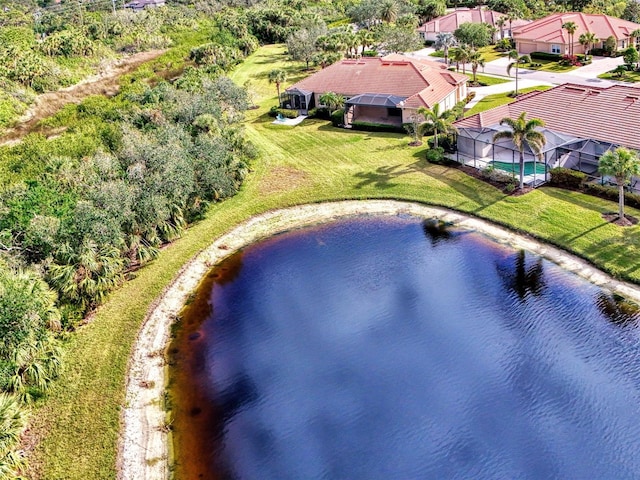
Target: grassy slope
{"x": 310, "y": 162}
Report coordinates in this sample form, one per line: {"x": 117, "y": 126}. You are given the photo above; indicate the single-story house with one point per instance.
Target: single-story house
{"x": 385, "y": 90}
{"x": 137, "y": 5}
{"x": 451, "y": 21}
{"x": 581, "y": 123}
{"x": 547, "y": 35}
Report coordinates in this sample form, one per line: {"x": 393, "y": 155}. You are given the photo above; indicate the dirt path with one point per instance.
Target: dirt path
{"x": 143, "y": 451}
{"x": 105, "y": 82}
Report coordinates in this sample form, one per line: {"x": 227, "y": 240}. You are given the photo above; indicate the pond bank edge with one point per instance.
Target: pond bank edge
{"x": 143, "y": 450}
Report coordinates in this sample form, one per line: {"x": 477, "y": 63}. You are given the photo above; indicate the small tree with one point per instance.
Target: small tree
{"x": 440, "y": 121}
{"x": 610, "y": 45}
{"x": 622, "y": 164}
{"x": 333, "y": 101}
{"x": 523, "y": 132}
{"x": 477, "y": 60}
{"x": 631, "y": 56}
{"x": 587, "y": 40}
{"x": 460, "y": 55}
{"x": 277, "y": 76}
{"x": 517, "y": 60}
{"x": 474, "y": 34}
{"x": 571, "y": 28}
{"x": 444, "y": 41}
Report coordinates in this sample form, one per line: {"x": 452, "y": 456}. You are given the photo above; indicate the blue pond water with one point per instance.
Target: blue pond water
{"x": 389, "y": 348}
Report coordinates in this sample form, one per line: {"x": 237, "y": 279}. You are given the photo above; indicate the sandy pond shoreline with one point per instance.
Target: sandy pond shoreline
{"x": 143, "y": 450}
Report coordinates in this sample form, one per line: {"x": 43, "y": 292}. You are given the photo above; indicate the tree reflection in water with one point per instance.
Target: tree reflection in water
{"x": 521, "y": 278}
{"x": 617, "y": 309}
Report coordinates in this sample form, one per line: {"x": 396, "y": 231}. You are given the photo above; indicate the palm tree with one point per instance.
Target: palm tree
{"x": 476, "y": 59}
{"x": 635, "y": 35}
{"x": 277, "y": 76}
{"x": 389, "y": 11}
{"x": 460, "y": 54}
{"x": 622, "y": 164}
{"x": 365, "y": 37}
{"x": 522, "y": 133}
{"x": 571, "y": 28}
{"x": 517, "y": 60}
{"x": 587, "y": 40}
{"x": 333, "y": 101}
{"x": 500, "y": 24}
{"x": 440, "y": 121}
{"x": 444, "y": 41}
{"x": 12, "y": 423}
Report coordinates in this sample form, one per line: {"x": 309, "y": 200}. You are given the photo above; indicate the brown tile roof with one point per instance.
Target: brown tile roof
{"x": 451, "y": 21}
{"x": 549, "y": 29}
{"x": 422, "y": 83}
{"x": 607, "y": 114}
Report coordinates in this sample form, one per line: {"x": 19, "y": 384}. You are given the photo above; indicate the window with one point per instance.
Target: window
{"x": 555, "y": 48}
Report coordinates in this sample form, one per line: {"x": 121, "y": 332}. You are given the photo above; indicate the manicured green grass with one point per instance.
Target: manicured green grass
{"x": 497, "y": 99}
{"x": 489, "y": 53}
{"x": 549, "y": 66}
{"x": 312, "y": 162}
{"x": 486, "y": 80}
{"x": 631, "y": 77}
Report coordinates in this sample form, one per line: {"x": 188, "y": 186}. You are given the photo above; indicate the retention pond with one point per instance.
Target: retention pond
{"x": 392, "y": 347}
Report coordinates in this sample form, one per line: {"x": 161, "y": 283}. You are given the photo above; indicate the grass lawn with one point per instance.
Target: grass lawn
{"x": 486, "y": 80}
{"x": 631, "y": 77}
{"x": 489, "y": 53}
{"x": 79, "y": 421}
{"x": 549, "y": 66}
{"x": 497, "y": 99}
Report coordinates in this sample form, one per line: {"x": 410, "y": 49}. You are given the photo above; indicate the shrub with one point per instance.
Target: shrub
{"x": 375, "y": 127}
{"x": 337, "y": 118}
{"x": 611, "y": 193}
{"x": 287, "y": 113}
{"x": 470, "y": 96}
{"x": 370, "y": 53}
{"x": 504, "y": 45}
{"x": 545, "y": 56}
{"x": 570, "y": 60}
{"x": 496, "y": 175}
{"x": 565, "y": 177}
{"x": 436, "y": 155}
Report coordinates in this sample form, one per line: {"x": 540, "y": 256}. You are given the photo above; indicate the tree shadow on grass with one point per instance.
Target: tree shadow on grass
{"x": 381, "y": 177}
{"x": 451, "y": 176}
{"x": 621, "y": 254}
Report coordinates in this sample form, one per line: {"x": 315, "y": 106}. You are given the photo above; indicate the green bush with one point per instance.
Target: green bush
{"x": 285, "y": 112}
{"x": 545, "y": 56}
{"x": 567, "y": 178}
{"x": 611, "y": 193}
{"x": 376, "y": 127}
{"x": 337, "y": 117}
{"x": 370, "y": 53}
{"x": 436, "y": 155}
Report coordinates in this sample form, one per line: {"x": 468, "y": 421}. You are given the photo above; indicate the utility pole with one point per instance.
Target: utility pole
{"x": 113, "y": 3}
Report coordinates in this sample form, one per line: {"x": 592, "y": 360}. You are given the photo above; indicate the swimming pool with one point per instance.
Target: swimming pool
{"x": 514, "y": 168}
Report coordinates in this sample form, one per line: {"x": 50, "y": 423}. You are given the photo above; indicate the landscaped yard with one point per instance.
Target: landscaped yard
{"x": 486, "y": 80}
{"x": 312, "y": 162}
{"x": 631, "y": 77}
{"x": 548, "y": 66}
{"x": 497, "y": 99}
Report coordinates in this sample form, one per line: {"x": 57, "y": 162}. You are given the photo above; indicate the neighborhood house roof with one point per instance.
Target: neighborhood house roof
{"x": 451, "y": 21}
{"x": 549, "y": 29}
{"x": 604, "y": 114}
{"x": 376, "y": 99}
{"x": 420, "y": 83}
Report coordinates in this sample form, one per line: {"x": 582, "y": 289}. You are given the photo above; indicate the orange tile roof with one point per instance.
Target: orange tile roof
{"x": 607, "y": 114}
{"x": 451, "y": 21}
{"x": 422, "y": 83}
{"x": 549, "y": 29}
